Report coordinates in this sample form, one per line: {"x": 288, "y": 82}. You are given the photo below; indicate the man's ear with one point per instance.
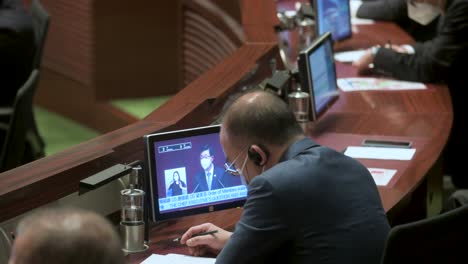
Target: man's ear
{"x": 258, "y": 154}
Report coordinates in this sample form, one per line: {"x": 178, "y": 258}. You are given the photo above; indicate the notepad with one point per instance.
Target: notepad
{"x": 380, "y": 153}
{"x": 177, "y": 259}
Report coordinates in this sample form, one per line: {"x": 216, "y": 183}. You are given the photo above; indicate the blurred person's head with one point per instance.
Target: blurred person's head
{"x": 206, "y": 157}
{"x": 176, "y": 176}
{"x": 66, "y": 235}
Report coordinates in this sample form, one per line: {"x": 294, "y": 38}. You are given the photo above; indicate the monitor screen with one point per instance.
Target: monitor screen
{"x": 187, "y": 176}
{"x": 333, "y": 16}
{"x": 318, "y": 74}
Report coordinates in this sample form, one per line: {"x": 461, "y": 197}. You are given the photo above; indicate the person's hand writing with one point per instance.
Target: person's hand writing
{"x": 363, "y": 63}
{"x": 398, "y": 48}
{"x": 201, "y": 245}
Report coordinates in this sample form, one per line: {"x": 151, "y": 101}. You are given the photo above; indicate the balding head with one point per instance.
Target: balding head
{"x": 260, "y": 117}
{"x": 66, "y": 235}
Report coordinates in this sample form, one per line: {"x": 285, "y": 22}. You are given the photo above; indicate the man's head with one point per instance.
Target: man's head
{"x": 66, "y": 235}
{"x": 206, "y": 157}
{"x": 257, "y": 128}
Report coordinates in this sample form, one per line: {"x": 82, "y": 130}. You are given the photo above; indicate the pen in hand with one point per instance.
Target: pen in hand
{"x": 199, "y": 234}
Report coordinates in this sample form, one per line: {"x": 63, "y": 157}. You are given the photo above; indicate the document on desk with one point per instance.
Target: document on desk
{"x": 364, "y": 84}
{"x": 349, "y": 56}
{"x": 380, "y": 153}
{"x": 381, "y": 176}
{"x": 177, "y": 259}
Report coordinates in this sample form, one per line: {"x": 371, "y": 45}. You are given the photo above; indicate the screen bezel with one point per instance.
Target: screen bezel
{"x": 317, "y": 22}
{"x": 306, "y": 78}
{"x": 150, "y": 163}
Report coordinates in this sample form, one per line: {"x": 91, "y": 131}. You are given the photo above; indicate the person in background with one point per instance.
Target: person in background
{"x": 396, "y": 11}
{"x": 17, "y": 49}
{"x": 440, "y": 59}
{"x": 66, "y": 235}
{"x": 306, "y": 203}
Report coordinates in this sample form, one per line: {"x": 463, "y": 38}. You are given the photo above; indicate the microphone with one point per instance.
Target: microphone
{"x": 195, "y": 188}
{"x": 220, "y": 181}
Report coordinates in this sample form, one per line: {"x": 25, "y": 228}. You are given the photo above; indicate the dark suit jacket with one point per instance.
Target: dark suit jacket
{"x": 315, "y": 206}
{"x": 441, "y": 59}
{"x": 16, "y": 51}
{"x": 396, "y": 11}
{"x": 221, "y": 179}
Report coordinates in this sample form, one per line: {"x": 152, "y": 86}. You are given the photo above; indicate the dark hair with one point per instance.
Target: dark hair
{"x": 267, "y": 121}
{"x": 207, "y": 147}
{"x": 173, "y": 174}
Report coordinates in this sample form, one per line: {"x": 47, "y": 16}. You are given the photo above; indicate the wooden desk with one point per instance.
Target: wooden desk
{"x": 423, "y": 116}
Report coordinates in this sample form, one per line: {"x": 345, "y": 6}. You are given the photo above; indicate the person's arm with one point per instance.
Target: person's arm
{"x": 387, "y": 10}
{"x": 261, "y": 229}
{"x": 432, "y": 59}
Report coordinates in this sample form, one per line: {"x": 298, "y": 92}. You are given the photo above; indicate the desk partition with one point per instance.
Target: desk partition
{"x": 423, "y": 116}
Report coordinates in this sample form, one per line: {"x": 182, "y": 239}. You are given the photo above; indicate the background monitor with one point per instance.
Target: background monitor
{"x": 184, "y": 152}
{"x": 333, "y": 16}
{"x": 318, "y": 74}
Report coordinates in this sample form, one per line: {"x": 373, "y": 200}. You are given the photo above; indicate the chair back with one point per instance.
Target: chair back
{"x": 21, "y": 122}
{"x": 440, "y": 239}
{"x": 41, "y": 20}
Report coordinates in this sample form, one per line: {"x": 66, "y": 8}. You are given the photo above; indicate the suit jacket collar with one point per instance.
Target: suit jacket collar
{"x": 297, "y": 148}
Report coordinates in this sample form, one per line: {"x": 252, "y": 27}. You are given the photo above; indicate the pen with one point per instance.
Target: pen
{"x": 388, "y": 45}
{"x": 199, "y": 234}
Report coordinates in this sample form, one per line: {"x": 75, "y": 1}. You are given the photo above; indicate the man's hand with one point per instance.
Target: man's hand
{"x": 364, "y": 62}
{"x": 200, "y": 245}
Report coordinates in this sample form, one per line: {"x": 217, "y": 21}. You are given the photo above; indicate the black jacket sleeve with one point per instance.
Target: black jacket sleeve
{"x": 432, "y": 59}
{"x": 387, "y": 10}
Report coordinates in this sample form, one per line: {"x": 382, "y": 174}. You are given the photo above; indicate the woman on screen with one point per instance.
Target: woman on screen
{"x": 177, "y": 186}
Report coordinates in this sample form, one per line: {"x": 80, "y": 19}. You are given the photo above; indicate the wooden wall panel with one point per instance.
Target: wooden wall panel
{"x": 136, "y": 52}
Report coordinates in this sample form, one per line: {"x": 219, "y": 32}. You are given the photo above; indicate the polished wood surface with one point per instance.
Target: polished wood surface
{"x": 423, "y": 116}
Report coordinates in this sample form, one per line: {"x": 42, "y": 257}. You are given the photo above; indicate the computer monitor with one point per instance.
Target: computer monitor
{"x": 333, "y": 16}
{"x": 318, "y": 74}
{"x": 179, "y": 164}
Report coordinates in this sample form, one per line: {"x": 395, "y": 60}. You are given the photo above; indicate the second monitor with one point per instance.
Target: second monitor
{"x": 318, "y": 74}
{"x": 333, "y": 16}
{"x": 187, "y": 175}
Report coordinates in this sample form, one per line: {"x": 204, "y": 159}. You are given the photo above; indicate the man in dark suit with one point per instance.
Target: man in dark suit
{"x": 306, "y": 203}
{"x": 17, "y": 49}
{"x": 211, "y": 177}
{"x": 396, "y": 11}
{"x": 442, "y": 58}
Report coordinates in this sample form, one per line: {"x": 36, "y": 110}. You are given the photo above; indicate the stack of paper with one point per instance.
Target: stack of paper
{"x": 177, "y": 259}
{"x": 362, "y": 84}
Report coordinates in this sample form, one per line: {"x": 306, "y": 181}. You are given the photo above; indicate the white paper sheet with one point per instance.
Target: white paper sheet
{"x": 177, "y": 259}
{"x": 382, "y": 176}
{"x": 380, "y": 153}
{"x": 364, "y": 84}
